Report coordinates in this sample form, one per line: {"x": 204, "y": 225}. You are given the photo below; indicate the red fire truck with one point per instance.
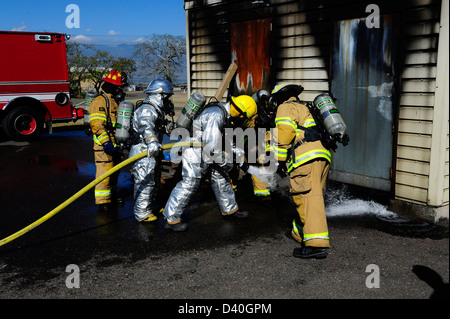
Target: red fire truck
{"x": 34, "y": 83}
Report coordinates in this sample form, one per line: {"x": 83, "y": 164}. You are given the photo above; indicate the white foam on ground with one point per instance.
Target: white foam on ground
{"x": 338, "y": 202}
{"x": 355, "y": 207}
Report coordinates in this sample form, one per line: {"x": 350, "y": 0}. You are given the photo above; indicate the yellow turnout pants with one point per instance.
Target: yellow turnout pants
{"x": 105, "y": 190}
{"x": 307, "y": 184}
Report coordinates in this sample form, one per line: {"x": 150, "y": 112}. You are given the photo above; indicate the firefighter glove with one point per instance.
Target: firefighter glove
{"x": 153, "y": 149}
{"x": 109, "y": 148}
{"x": 345, "y": 139}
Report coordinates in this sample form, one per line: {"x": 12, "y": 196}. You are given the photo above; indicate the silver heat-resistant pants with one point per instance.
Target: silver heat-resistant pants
{"x": 147, "y": 174}
{"x": 183, "y": 192}
{"x": 146, "y": 171}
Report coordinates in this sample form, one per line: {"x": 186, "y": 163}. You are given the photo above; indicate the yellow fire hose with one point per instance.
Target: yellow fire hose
{"x": 88, "y": 187}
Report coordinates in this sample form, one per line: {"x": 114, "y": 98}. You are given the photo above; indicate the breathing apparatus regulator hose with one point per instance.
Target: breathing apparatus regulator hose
{"x": 89, "y": 186}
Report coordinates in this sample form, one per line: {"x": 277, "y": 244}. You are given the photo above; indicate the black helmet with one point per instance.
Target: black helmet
{"x": 283, "y": 92}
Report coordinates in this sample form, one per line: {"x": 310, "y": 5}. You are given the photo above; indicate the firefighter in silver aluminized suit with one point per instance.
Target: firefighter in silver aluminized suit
{"x": 207, "y": 128}
{"x": 148, "y": 119}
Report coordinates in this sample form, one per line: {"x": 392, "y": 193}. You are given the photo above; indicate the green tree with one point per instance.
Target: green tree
{"x": 161, "y": 55}
{"x": 86, "y": 64}
{"x": 99, "y": 66}
{"x": 79, "y": 64}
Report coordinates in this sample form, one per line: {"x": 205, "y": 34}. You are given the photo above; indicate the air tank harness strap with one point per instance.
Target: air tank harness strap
{"x": 109, "y": 124}
{"x": 135, "y": 137}
{"x": 311, "y": 134}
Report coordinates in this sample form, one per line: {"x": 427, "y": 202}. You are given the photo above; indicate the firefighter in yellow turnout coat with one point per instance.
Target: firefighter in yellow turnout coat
{"x": 296, "y": 141}
{"x": 103, "y": 116}
{"x": 260, "y": 120}
{"x": 260, "y": 188}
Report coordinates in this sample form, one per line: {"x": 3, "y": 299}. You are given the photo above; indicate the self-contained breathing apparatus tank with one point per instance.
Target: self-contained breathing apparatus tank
{"x": 90, "y": 96}
{"x": 123, "y": 125}
{"x": 324, "y": 108}
{"x": 195, "y": 103}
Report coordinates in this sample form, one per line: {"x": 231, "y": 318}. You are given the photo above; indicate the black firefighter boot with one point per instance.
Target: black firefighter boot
{"x": 240, "y": 214}
{"x": 310, "y": 252}
{"x": 177, "y": 227}
{"x": 104, "y": 208}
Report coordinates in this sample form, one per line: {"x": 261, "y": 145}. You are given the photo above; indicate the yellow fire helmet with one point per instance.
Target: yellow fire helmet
{"x": 245, "y": 105}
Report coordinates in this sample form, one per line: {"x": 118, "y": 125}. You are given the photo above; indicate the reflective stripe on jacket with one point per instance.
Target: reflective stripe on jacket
{"x": 291, "y": 116}
{"x": 98, "y": 119}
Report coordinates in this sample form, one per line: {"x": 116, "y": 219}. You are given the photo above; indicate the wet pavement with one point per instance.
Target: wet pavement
{"x": 375, "y": 254}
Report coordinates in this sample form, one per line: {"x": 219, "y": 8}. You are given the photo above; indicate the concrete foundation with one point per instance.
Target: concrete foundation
{"x": 429, "y": 214}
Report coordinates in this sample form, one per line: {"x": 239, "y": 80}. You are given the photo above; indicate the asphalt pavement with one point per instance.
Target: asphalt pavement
{"x": 81, "y": 253}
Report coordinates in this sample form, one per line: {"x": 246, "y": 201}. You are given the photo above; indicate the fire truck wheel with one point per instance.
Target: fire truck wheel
{"x": 23, "y": 123}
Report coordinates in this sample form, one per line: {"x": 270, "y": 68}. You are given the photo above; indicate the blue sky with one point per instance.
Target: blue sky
{"x": 101, "y": 22}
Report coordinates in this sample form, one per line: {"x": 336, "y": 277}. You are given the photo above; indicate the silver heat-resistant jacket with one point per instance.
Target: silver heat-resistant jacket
{"x": 207, "y": 128}
{"x": 146, "y": 172}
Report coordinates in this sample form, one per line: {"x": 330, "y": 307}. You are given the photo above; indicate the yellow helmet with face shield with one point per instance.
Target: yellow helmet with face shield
{"x": 245, "y": 105}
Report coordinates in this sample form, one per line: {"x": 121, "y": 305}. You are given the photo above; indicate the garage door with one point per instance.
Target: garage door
{"x": 363, "y": 86}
